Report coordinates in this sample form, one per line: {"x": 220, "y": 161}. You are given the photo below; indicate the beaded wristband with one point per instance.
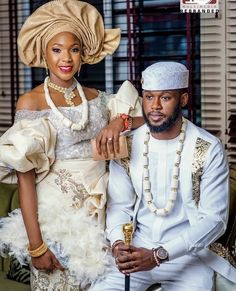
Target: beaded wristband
{"x": 155, "y": 257}
{"x": 128, "y": 121}
{"x": 41, "y": 250}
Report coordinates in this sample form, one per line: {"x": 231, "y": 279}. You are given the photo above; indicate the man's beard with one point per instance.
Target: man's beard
{"x": 166, "y": 124}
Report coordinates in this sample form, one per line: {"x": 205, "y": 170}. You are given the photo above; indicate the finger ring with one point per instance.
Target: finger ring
{"x": 110, "y": 139}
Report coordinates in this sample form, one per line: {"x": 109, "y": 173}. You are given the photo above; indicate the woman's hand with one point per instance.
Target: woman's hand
{"x": 47, "y": 262}
{"x": 108, "y": 138}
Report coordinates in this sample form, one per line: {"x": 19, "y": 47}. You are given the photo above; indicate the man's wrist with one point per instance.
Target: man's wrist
{"x": 160, "y": 255}
{"x": 115, "y": 244}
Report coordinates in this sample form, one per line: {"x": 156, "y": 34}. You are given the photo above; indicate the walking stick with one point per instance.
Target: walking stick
{"x": 128, "y": 232}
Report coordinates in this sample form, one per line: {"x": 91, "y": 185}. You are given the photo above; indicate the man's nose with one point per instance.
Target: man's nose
{"x": 156, "y": 104}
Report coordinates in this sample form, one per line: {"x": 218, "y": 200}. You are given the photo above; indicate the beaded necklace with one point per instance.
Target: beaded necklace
{"x": 67, "y": 122}
{"x": 175, "y": 175}
{"x": 68, "y": 92}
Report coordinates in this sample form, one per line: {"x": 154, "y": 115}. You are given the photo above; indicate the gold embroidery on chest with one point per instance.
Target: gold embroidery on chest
{"x": 200, "y": 153}
{"x": 125, "y": 163}
{"x": 68, "y": 185}
{"x": 220, "y": 250}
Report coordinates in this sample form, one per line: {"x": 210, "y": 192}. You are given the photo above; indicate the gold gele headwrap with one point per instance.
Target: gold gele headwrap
{"x": 77, "y": 17}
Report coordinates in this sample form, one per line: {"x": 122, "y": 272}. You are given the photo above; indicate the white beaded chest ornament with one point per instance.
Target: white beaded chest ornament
{"x": 68, "y": 123}
{"x": 175, "y": 175}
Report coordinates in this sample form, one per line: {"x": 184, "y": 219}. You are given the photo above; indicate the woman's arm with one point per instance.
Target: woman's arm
{"x": 28, "y": 204}
{"x": 29, "y": 208}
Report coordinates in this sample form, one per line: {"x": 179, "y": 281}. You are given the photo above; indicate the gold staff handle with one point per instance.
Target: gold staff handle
{"x": 128, "y": 233}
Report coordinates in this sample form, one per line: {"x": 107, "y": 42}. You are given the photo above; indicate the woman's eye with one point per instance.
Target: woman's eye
{"x": 149, "y": 97}
{"x": 56, "y": 50}
{"x": 75, "y": 50}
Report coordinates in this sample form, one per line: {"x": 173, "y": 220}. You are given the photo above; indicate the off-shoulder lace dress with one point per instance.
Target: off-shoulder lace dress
{"x": 74, "y": 144}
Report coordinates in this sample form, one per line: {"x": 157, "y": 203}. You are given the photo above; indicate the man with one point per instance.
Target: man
{"x": 175, "y": 190}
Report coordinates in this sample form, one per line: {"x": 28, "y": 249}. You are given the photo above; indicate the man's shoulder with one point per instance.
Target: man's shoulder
{"x": 201, "y": 133}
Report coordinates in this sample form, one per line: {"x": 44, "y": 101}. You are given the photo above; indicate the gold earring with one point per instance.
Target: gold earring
{"x": 78, "y": 72}
{"x": 46, "y": 66}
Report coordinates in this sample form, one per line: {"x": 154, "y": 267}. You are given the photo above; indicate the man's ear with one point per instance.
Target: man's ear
{"x": 184, "y": 99}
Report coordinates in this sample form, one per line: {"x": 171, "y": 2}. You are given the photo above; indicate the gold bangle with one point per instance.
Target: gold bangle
{"x": 41, "y": 250}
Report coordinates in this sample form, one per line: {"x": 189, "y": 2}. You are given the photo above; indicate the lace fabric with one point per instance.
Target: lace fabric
{"x": 74, "y": 144}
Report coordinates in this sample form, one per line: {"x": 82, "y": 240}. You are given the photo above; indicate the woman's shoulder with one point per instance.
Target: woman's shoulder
{"x": 90, "y": 93}
{"x": 32, "y": 100}
{"x": 101, "y": 96}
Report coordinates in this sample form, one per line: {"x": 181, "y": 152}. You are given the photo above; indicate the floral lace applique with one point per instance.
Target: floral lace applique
{"x": 40, "y": 281}
{"x": 68, "y": 185}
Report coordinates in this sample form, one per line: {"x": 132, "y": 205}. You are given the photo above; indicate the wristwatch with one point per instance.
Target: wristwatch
{"x": 161, "y": 254}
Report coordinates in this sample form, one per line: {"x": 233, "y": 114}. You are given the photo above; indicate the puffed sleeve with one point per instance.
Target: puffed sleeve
{"x": 126, "y": 100}
{"x": 27, "y": 145}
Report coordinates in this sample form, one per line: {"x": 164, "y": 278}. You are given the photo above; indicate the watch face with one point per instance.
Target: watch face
{"x": 162, "y": 253}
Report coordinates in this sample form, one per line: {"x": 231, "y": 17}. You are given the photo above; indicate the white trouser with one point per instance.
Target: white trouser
{"x": 187, "y": 273}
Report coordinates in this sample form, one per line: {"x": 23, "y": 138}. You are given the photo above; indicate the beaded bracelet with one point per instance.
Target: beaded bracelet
{"x": 128, "y": 121}
{"x": 155, "y": 257}
{"x": 41, "y": 250}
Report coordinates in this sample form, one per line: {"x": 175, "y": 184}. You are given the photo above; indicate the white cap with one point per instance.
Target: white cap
{"x": 165, "y": 76}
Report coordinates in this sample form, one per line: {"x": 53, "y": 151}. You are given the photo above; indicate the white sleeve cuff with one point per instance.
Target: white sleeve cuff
{"x": 175, "y": 248}
{"x": 115, "y": 234}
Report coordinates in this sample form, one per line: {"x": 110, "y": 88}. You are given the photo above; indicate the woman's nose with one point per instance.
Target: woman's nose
{"x": 67, "y": 57}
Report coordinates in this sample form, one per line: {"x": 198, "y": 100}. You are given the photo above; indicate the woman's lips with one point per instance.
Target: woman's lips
{"x": 66, "y": 69}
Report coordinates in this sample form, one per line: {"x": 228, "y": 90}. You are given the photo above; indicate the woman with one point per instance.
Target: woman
{"x": 61, "y": 189}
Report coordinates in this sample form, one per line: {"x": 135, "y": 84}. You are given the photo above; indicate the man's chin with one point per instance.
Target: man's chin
{"x": 160, "y": 126}
{"x": 156, "y": 124}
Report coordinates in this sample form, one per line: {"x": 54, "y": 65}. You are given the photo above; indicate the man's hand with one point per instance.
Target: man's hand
{"x": 130, "y": 259}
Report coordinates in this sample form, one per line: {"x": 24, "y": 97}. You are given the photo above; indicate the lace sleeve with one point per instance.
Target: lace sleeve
{"x": 30, "y": 114}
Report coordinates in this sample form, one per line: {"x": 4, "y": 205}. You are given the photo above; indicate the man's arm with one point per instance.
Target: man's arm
{"x": 120, "y": 203}
{"x": 212, "y": 212}
{"x": 210, "y": 220}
